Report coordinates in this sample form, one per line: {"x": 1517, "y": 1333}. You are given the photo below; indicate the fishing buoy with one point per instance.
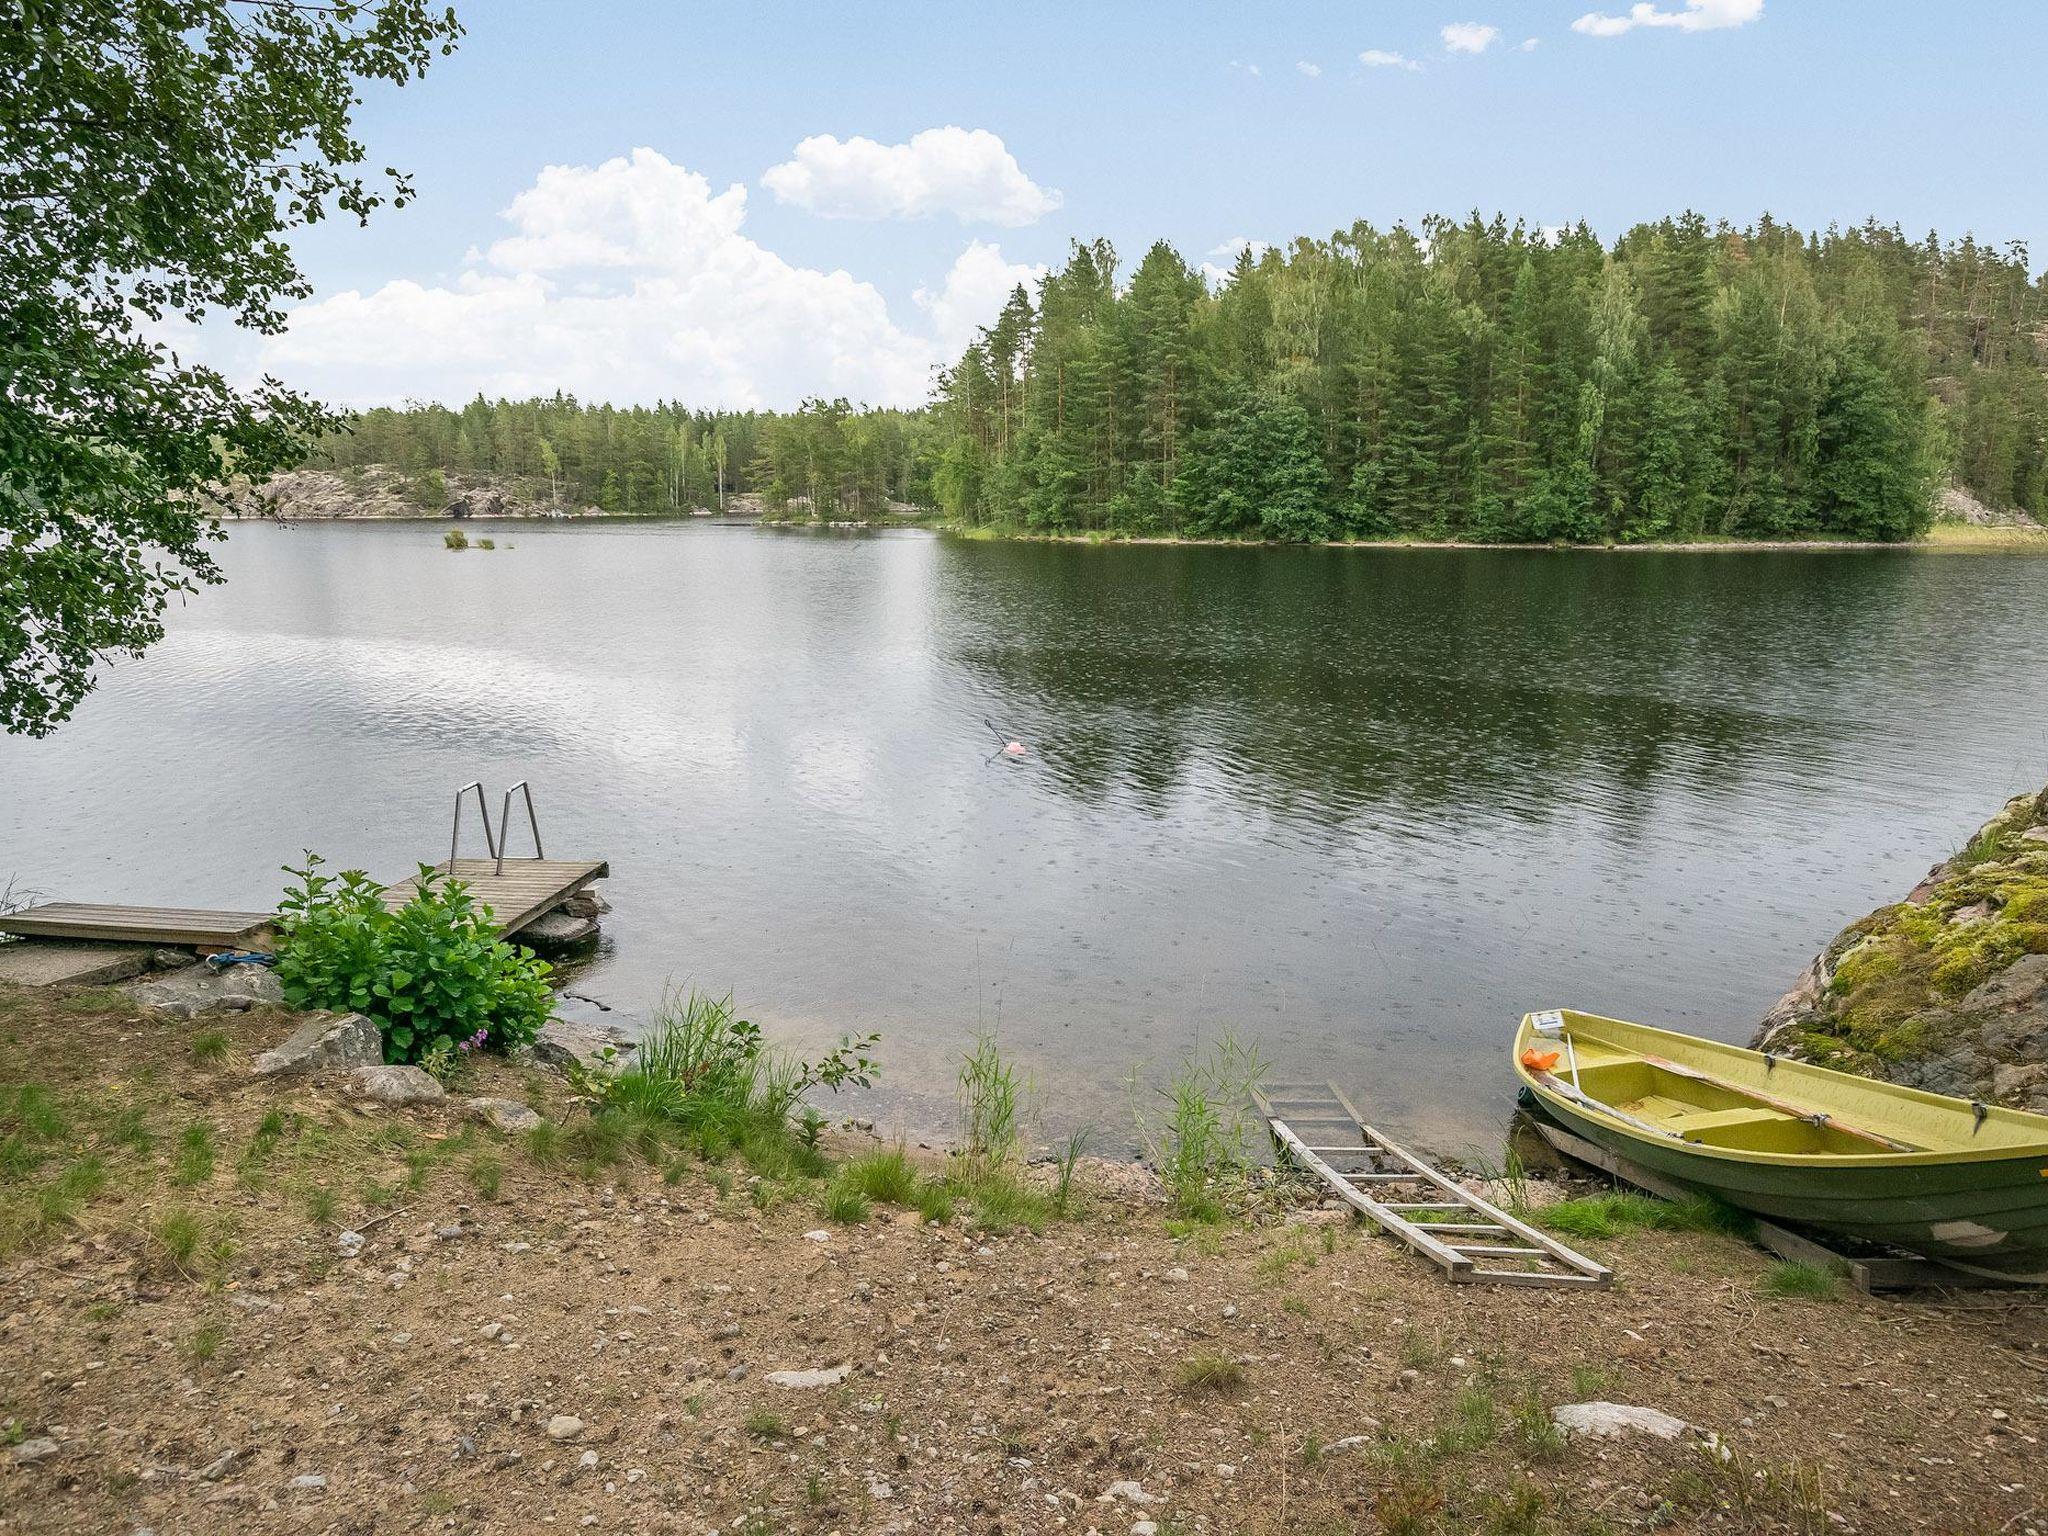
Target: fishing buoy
{"x": 1009, "y": 748}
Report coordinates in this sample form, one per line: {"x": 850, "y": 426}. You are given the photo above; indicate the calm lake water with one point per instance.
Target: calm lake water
{"x": 1363, "y": 807}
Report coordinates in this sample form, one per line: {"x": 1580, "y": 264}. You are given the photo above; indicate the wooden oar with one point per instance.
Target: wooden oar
{"x": 1559, "y": 1086}
{"x": 1783, "y": 1106}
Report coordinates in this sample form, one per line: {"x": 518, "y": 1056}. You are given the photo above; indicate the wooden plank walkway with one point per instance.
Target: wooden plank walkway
{"x": 188, "y": 927}
{"x": 527, "y": 888}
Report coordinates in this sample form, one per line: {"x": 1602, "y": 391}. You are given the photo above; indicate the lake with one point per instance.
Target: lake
{"x": 1363, "y": 807}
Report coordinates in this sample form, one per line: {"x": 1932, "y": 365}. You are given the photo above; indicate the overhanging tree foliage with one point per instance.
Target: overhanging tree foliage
{"x": 154, "y": 154}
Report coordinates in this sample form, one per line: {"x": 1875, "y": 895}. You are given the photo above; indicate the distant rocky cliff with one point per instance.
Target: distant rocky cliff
{"x": 1956, "y": 505}
{"x": 1948, "y": 990}
{"x": 377, "y": 491}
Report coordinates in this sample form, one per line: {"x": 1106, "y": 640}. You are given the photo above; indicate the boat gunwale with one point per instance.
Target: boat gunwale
{"x": 2026, "y": 1152}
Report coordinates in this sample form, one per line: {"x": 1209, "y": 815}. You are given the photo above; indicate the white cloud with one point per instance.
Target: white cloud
{"x": 1381, "y": 58}
{"x": 1529, "y": 44}
{"x": 1230, "y": 248}
{"x": 1250, "y": 69}
{"x": 973, "y": 294}
{"x": 631, "y": 281}
{"x": 1469, "y": 36}
{"x": 1217, "y": 271}
{"x": 1692, "y": 16}
{"x": 1311, "y": 70}
{"x": 967, "y": 173}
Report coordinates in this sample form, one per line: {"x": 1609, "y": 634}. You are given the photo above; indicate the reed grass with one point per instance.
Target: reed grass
{"x": 1202, "y": 1146}
{"x": 991, "y": 1097}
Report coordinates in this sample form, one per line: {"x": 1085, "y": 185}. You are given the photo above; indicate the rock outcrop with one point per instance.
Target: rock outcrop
{"x": 1956, "y": 505}
{"x": 199, "y": 989}
{"x": 376, "y": 491}
{"x": 1948, "y": 990}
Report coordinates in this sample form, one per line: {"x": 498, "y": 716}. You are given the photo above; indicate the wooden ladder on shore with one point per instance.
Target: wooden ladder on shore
{"x": 1315, "y": 1127}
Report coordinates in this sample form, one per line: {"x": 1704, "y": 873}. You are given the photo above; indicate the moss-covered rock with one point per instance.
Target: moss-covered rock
{"x": 1948, "y": 990}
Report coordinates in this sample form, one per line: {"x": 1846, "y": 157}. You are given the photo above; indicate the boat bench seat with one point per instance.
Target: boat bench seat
{"x": 1725, "y": 1119}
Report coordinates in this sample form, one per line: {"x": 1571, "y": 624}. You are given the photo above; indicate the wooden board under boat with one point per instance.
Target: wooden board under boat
{"x": 1963, "y": 1183}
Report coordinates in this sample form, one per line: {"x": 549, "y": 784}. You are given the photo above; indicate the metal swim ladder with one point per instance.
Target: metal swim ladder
{"x": 495, "y": 839}
{"x": 1472, "y": 1239}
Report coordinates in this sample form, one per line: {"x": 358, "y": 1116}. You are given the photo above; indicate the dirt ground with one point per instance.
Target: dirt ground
{"x": 185, "y": 1347}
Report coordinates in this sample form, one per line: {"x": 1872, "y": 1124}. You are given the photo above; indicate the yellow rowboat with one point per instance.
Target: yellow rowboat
{"x": 1953, "y": 1180}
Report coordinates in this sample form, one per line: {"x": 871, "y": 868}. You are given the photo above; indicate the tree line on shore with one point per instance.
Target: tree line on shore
{"x": 657, "y": 460}
{"x": 1481, "y": 381}
{"x": 1470, "y": 380}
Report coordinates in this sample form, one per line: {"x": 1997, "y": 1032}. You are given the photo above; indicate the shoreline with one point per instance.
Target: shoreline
{"x": 276, "y": 1305}
{"x": 1943, "y": 538}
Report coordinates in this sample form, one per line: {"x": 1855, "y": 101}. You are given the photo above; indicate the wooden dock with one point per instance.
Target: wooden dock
{"x": 184, "y": 927}
{"x": 526, "y": 889}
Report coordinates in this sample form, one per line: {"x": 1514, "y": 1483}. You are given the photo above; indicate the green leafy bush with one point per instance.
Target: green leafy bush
{"x": 431, "y": 973}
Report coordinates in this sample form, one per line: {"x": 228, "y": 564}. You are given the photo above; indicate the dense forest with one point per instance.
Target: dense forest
{"x": 1471, "y": 380}
{"x": 660, "y": 459}
{"x": 1478, "y": 381}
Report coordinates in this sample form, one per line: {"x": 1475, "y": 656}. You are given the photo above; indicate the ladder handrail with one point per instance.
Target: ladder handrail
{"x": 455, "y": 832}
{"x": 505, "y": 823}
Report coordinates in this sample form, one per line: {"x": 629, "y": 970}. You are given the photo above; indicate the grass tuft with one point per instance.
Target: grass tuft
{"x": 1536, "y": 1431}
{"x": 195, "y": 1159}
{"x": 1209, "y": 1373}
{"x": 210, "y": 1047}
{"x": 1615, "y": 1212}
{"x": 544, "y": 1144}
{"x": 1789, "y": 1279}
{"x": 844, "y": 1202}
{"x": 486, "y": 1174}
{"x": 205, "y": 1342}
{"x": 320, "y": 1205}
{"x": 934, "y": 1202}
{"x": 1472, "y": 1422}
{"x": 176, "y": 1238}
{"x": 886, "y": 1176}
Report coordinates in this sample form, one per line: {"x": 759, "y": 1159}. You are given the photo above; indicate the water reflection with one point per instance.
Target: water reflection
{"x": 1416, "y": 688}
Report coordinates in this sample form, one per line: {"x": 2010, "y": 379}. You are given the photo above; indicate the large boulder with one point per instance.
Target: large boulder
{"x": 1948, "y": 989}
{"x": 396, "y": 1087}
{"x": 324, "y": 1042}
{"x": 507, "y": 1115}
{"x": 200, "y": 989}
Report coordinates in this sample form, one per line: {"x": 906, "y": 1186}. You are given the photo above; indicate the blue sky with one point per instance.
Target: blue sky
{"x": 853, "y": 269}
